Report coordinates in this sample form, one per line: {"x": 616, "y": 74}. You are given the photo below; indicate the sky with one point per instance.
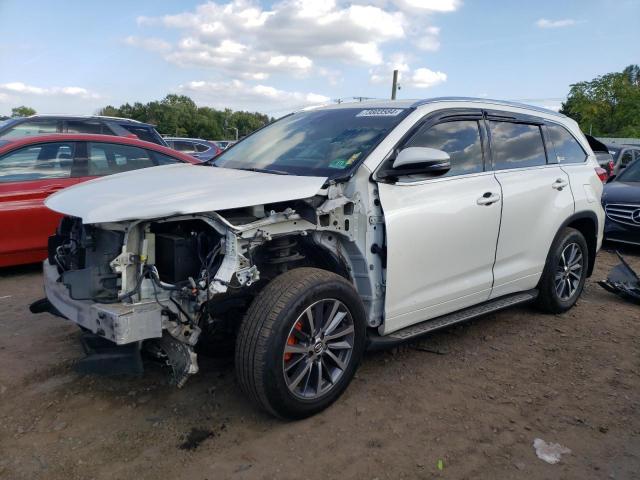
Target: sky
{"x": 279, "y": 56}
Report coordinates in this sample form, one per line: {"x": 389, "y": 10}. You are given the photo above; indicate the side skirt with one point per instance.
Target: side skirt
{"x": 378, "y": 342}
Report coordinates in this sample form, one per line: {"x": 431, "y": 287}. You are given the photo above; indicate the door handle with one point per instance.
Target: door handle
{"x": 559, "y": 184}
{"x": 488, "y": 198}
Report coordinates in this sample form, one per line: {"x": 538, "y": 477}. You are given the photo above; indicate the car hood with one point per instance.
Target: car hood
{"x": 621, "y": 192}
{"x": 177, "y": 190}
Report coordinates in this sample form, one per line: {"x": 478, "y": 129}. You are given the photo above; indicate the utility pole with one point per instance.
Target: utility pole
{"x": 395, "y": 85}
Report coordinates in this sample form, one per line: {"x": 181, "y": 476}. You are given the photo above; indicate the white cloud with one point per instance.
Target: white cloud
{"x": 430, "y": 5}
{"x": 19, "y": 88}
{"x": 429, "y": 40}
{"x": 305, "y": 32}
{"x": 407, "y": 77}
{"x": 545, "y": 23}
{"x": 425, "y": 78}
{"x": 150, "y": 43}
{"x": 246, "y": 96}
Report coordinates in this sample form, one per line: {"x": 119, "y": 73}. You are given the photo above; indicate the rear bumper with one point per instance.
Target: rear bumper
{"x": 121, "y": 323}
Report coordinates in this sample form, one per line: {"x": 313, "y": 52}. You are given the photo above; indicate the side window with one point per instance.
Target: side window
{"x": 32, "y": 127}
{"x": 516, "y": 145}
{"x": 567, "y": 148}
{"x": 142, "y": 133}
{"x": 162, "y": 159}
{"x": 201, "y": 147}
{"x": 626, "y": 158}
{"x": 460, "y": 139}
{"x": 37, "y": 162}
{"x": 78, "y": 126}
{"x": 185, "y": 147}
{"x": 108, "y": 158}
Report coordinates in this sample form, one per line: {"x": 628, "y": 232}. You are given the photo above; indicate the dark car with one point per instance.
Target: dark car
{"x": 603, "y": 156}
{"x": 98, "y": 125}
{"x": 32, "y": 168}
{"x": 621, "y": 202}
{"x": 198, "y": 148}
{"x": 623, "y": 155}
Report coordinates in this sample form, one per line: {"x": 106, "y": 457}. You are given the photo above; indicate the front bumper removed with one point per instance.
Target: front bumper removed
{"x": 119, "y": 323}
{"x": 114, "y": 333}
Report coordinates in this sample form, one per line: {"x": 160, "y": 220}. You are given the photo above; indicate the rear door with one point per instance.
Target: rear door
{"x": 536, "y": 195}
{"x": 28, "y": 175}
{"x": 441, "y": 232}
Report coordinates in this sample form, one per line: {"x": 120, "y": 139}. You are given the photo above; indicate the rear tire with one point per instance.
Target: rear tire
{"x": 300, "y": 342}
{"x": 565, "y": 272}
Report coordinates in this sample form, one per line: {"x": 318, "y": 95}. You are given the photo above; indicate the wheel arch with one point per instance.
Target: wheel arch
{"x": 585, "y": 222}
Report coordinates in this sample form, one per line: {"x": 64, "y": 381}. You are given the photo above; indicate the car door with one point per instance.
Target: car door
{"x": 98, "y": 159}
{"x": 441, "y": 232}
{"x": 28, "y": 175}
{"x": 536, "y": 198}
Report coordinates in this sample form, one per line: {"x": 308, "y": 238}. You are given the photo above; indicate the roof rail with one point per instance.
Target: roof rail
{"x": 488, "y": 100}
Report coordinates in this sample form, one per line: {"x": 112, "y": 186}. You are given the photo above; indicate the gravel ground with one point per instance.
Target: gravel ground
{"x": 466, "y": 403}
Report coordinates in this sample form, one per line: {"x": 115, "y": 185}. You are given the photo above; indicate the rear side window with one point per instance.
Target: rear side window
{"x": 109, "y": 158}
{"x": 460, "y": 139}
{"x": 79, "y": 126}
{"x": 142, "y": 133}
{"x": 32, "y": 127}
{"x": 162, "y": 159}
{"x": 627, "y": 158}
{"x": 516, "y": 145}
{"x": 182, "y": 146}
{"x": 37, "y": 162}
{"x": 567, "y": 148}
{"x": 201, "y": 147}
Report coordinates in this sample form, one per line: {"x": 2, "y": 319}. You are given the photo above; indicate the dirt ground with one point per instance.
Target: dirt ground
{"x": 470, "y": 400}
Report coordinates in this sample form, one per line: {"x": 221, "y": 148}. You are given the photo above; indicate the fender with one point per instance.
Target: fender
{"x": 582, "y": 218}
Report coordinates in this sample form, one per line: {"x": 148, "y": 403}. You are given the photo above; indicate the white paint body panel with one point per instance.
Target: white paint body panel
{"x": 441, "y": 246}
{"x": 178, "y": 189}
{"x": 587, "y": 190}
{"x": 532, "y": 213}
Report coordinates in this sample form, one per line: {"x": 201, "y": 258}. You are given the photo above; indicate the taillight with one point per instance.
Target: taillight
{"x": 602, "y": 174}
{"x": 611, "y": 166}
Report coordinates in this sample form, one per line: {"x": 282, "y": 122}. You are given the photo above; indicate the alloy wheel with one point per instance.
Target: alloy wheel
{"x": 569, "y": 271}
{"x": 318, "y": 349}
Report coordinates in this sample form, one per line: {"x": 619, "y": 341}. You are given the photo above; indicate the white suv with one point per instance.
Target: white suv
{"x": 329, "y": 231}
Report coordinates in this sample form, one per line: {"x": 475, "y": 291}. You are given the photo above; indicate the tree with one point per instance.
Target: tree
{"x": 179, "y": 115}
{"x": 608, "y": 105}
{"x": 22, "y": 111}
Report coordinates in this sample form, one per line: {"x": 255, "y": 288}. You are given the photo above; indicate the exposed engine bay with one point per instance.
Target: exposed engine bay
{"x": 178, "y": 282}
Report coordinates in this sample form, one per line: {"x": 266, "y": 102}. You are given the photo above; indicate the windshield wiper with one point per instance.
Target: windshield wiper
{"x": 264, "y": 170}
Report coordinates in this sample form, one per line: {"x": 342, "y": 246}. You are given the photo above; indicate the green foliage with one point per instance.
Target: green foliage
{"x": 22, "y": 111}
{"x": 178, "y": 115}
{"x": 608, "y": 105}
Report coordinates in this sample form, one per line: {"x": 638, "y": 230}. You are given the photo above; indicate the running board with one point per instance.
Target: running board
{"x": 378, "y": 342}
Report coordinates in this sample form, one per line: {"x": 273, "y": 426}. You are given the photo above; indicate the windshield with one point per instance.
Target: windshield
{"x": 631, "y": 173}
{"x": 325, "y": 143}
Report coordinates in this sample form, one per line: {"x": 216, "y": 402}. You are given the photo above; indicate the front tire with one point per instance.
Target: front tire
{"x": 565, "y": 272}
{"x": 300, "y": 342}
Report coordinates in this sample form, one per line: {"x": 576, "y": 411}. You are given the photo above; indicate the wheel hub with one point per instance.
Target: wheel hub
{"x": 318, "y": 349}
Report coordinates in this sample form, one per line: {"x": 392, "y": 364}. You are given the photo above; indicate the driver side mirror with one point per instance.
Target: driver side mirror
{"x": 420, "y": 160}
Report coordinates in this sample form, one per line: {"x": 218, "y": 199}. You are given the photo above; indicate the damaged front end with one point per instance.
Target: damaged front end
{"x": 172, "y": 286}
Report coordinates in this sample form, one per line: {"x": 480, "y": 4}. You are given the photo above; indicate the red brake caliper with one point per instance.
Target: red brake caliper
{"x": 292, "y": 340}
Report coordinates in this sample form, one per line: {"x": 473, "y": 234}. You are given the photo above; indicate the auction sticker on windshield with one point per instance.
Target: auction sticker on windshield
{"x": 380, "y": 112}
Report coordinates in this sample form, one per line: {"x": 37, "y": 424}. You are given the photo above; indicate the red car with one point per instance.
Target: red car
{"x": 32, "y": 168}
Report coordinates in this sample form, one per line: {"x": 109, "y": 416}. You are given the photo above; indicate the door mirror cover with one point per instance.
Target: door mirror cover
{"x": 422, "y": 160}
